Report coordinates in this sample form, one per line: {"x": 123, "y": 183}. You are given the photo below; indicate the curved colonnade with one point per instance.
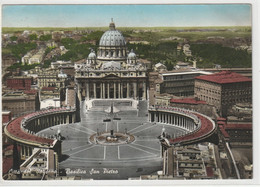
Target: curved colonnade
{"x": 198, "y": 126}
{"x": 23, "y": 130}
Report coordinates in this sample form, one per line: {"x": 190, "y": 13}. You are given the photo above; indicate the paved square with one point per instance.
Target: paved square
{"x": 140, "y": 157}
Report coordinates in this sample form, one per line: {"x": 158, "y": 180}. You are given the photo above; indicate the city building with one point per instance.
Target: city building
{"x": 51, "y": 78}
{"x": 180, "y": 82}
{"x": 196, "y": 105}
{"x": 160, "y": 67}
{"x": 38, "y": 57}
{"x": 186, "y": 50}
{"x": 223, "y": 90}
{"x": 163, "y": 99}
{"x": 41, "y": 163}
{"x": 59, "y": 63}
{"x": 155, "y": 81}
{"x": 6, "y": 116}
{"x": 19, "y": 82}
{"x": 26, "y": 58}
{"x": 19, "y": 102}
{"x": 191, "y": 162}
{"x": 52, "y": 102}
{"x": 70, "y": 99}
{"x": 50, "y": 92}
{"x": 112, "y": 73}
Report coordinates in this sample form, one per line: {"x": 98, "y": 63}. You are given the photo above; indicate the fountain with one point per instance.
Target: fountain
{"x": 111, "y": 137}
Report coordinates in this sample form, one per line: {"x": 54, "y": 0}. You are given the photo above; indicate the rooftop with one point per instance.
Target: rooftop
{"x": 238, "y": 126}
{"x": 15, "y": 130}
{"x": 185, "y": 71}
{"x": 187, "y": 101}
{"x": 224, "y": 77}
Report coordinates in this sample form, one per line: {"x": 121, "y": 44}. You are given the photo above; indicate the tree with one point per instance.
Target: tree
{"x": 33, "y": 37}
{"x": 46, "y": 37}
{"x": 13, "y": 38}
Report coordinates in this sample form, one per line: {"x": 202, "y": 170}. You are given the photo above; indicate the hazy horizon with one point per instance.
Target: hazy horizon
{"x": 187, "y": 15}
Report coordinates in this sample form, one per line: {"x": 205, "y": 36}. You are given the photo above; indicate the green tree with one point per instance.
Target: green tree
{"x": 217, "y": 54}
{"x": 13, "y": 38}
{"x": 33, "y": 37}
{"x": 46, "y": 37}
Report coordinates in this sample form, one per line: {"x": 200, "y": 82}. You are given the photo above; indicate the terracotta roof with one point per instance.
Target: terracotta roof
{"x": 221, "y": 119}
{"x": 224, "y": 77}
{"x": 14, "y": 128}
{"x": 238, "y": 126}
{"x": 188, "y": 101}
{"x": 206, "y": 127}
{"x": 221, "y": 122}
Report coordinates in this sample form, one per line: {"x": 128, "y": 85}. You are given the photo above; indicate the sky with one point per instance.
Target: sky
{"x": 126, "y": 15}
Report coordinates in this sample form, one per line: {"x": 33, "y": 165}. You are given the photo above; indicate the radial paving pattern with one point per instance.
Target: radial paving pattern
{"x": 90, "y": 160}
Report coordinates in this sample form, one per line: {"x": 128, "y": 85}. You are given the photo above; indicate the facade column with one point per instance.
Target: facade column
{"x": 108, "y": 90}
{"x": 135, "y": 89}
{"x": 114, "y": 90}
{"x": 144, "y": 91}
{"x": 101, "y": 90}
{"x": 122, "y": 90}
{"x": 79, "y": 93}
{"x": 95, "y": 90}
{"x": 104, "y": 96}
{"x": 119, "y": 90}
{"x": 87, "y": 91}
{"x": 127, "y": 90}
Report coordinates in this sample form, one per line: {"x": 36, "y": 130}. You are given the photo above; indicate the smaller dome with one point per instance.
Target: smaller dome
{"x": 62, "y": 75}
{"x": 132, "y": 55}
{"x": 92, "y": 55}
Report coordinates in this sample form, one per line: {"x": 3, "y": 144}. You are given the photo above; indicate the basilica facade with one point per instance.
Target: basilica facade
{"x": 113, "y": 73}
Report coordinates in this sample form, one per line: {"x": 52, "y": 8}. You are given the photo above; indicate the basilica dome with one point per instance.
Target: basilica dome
{"x": 112, "y": 37}
{"x": 112, "y": 45}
